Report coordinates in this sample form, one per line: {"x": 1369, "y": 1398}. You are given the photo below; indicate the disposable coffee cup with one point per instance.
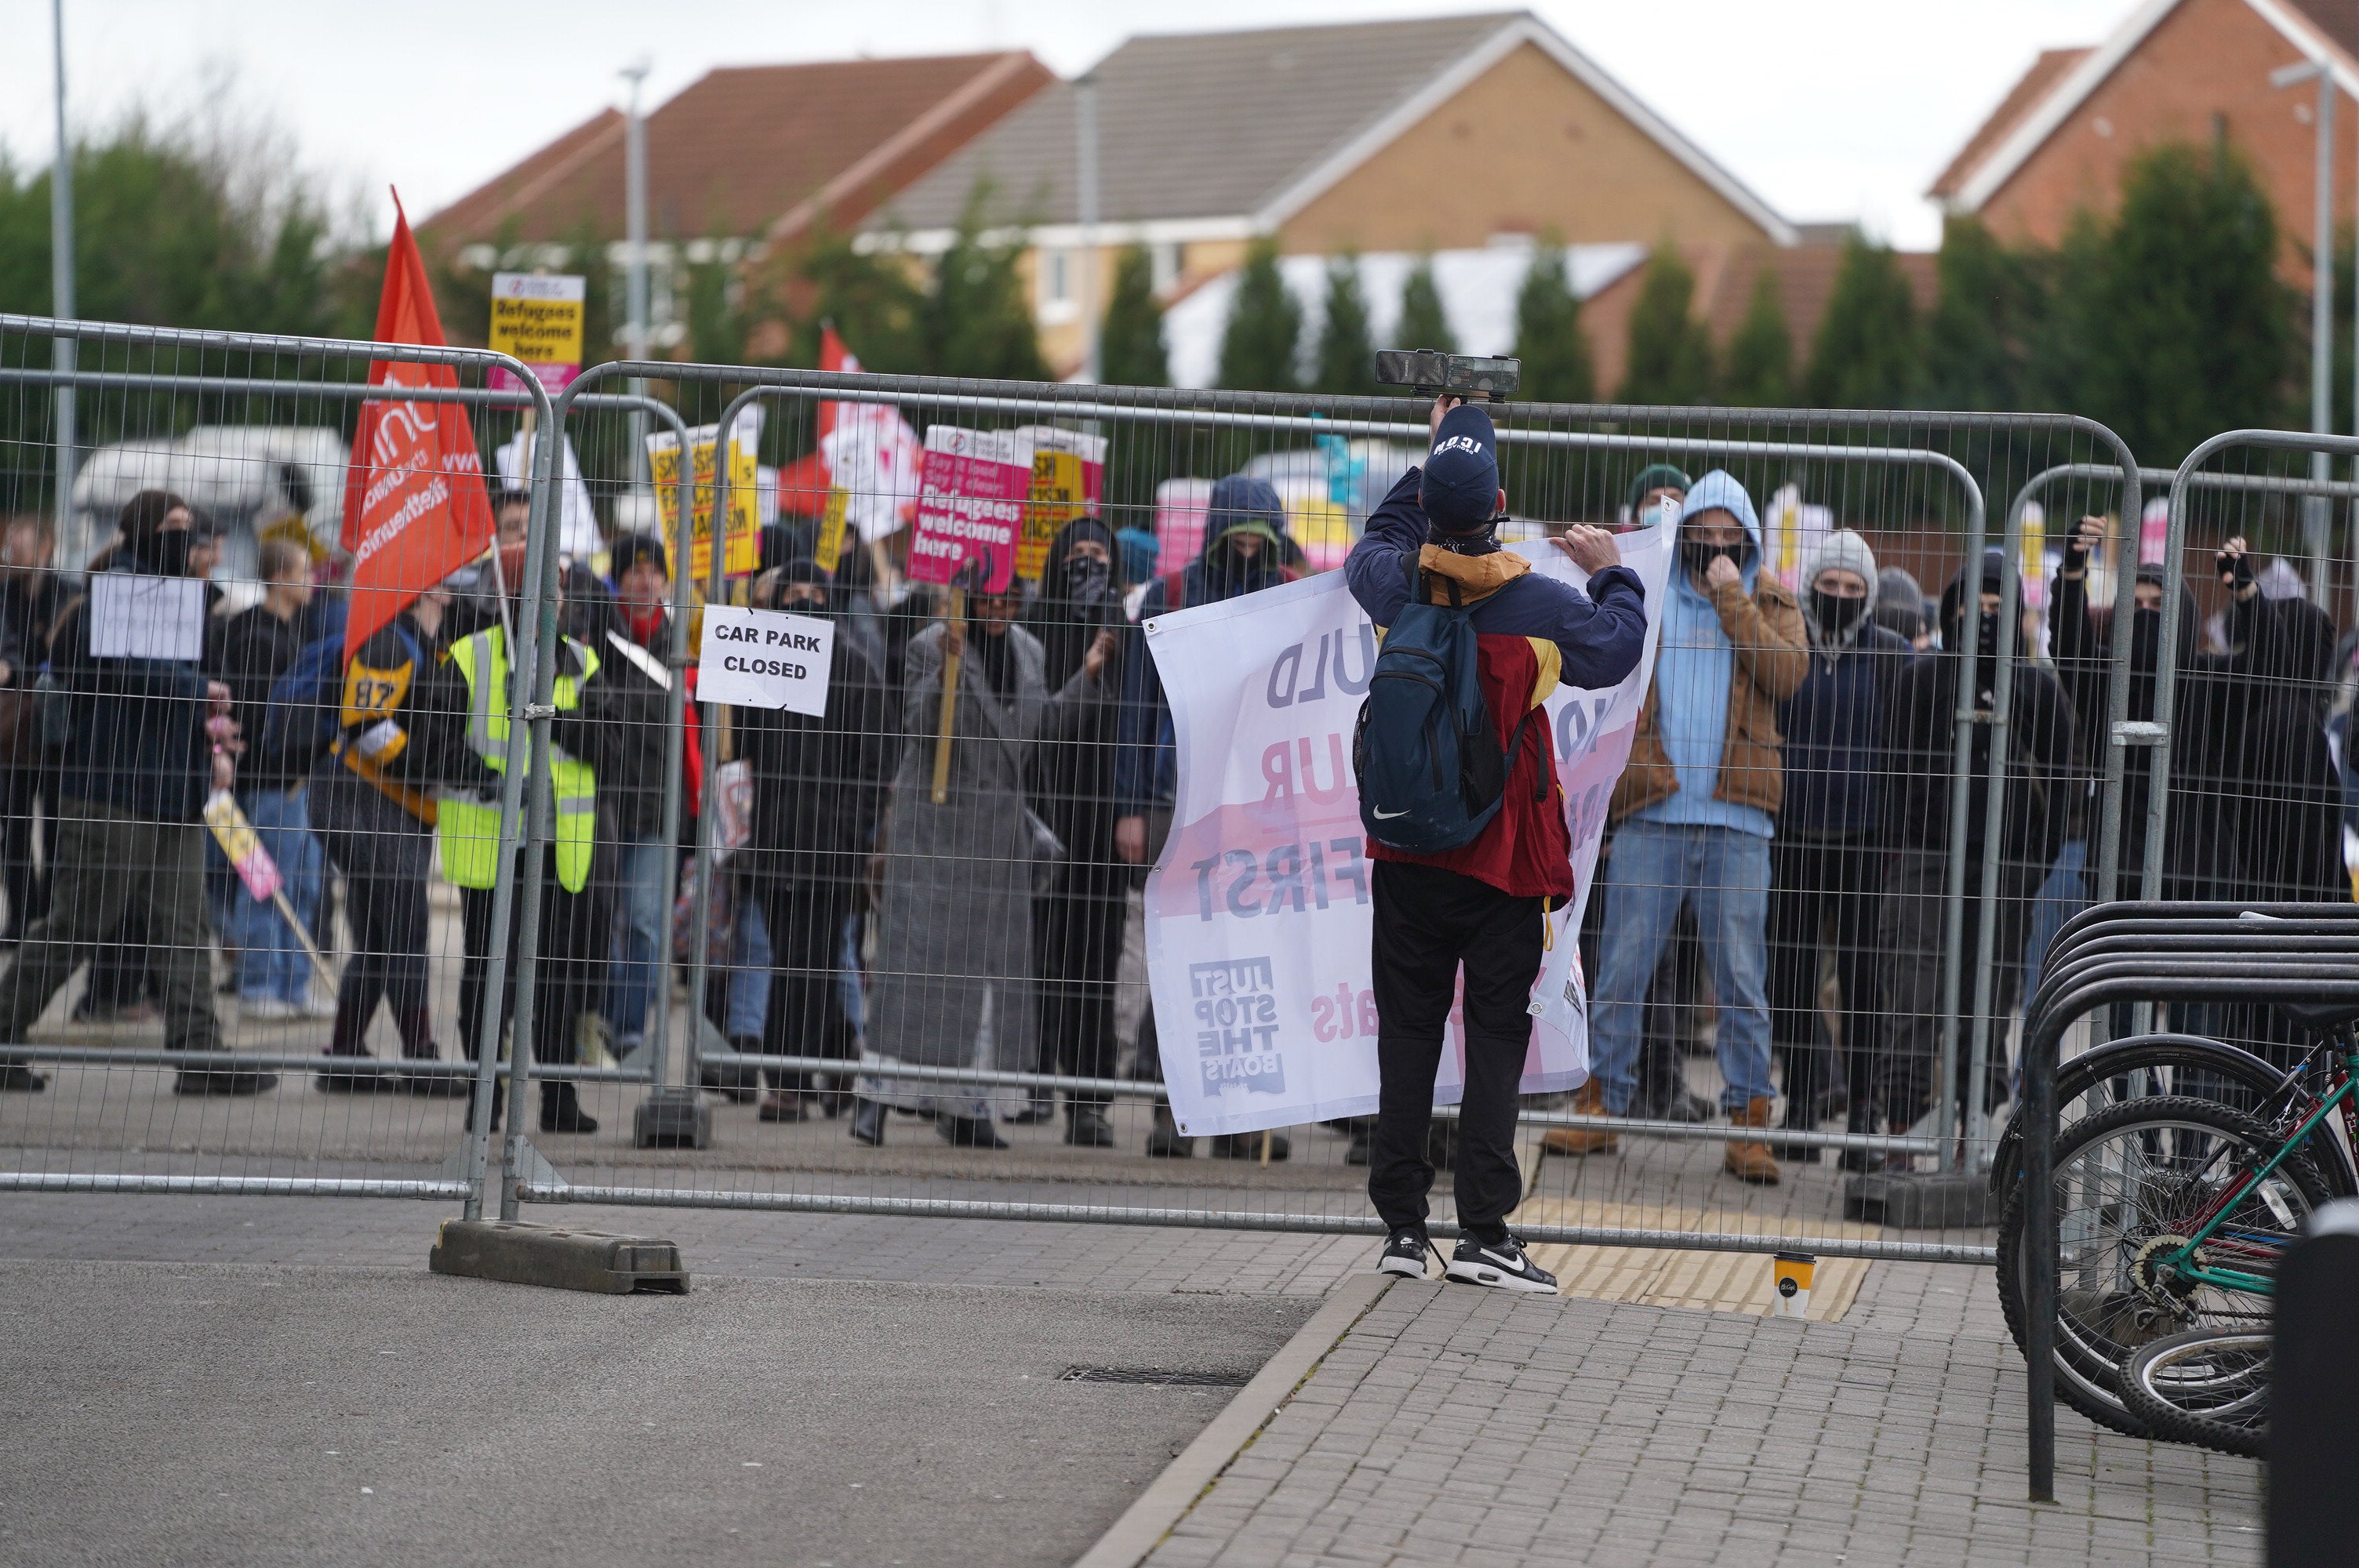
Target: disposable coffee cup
{"x": 1790, "y": 1278}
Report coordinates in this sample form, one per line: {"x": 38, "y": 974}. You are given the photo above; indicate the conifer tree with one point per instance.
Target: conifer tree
{"x": 1868, "y": 352}
{"x": 1548, "y": 337}
{"x": 1130, "y": 344}
{"x": 1759, "y": 368}
{"x": 1975, "y": 338}
{"x": 976, "y": 321}
{"x": 1347, "y": 350}
{"x": 1670, "y": 352}
{"x": 1423, "y": 323}
{"x": 1265, "y": 329}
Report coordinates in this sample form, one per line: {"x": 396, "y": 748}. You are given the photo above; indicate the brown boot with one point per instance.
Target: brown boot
{"x": 1587, "y": 1100}
{"x": 1751, "y": 1161}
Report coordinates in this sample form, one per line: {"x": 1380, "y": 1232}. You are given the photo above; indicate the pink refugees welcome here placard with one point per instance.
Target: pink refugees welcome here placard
{"x": 970, "y": 494}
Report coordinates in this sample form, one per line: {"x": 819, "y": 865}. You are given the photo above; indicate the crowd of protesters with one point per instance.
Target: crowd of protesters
{"x": 1777, "y": 856}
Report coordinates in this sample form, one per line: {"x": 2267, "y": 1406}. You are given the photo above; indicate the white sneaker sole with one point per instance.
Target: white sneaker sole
{"x": 1404, "y": 1268}
{"x": 1496, "y": 1279}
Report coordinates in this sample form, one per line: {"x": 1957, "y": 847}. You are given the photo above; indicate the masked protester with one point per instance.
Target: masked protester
{"x": 1077, "y": 925}
{"x": 2253, "y": 808}
{"x": 148, "y": 736}
{"x": 955, "y": 986}
{"x": 1695, "y": 810}
{"x": 1246, "y": 550}
{"x": 819, "y": 787}
{"x": 1919, "y": 755}
{"x": 1826, "y": 864}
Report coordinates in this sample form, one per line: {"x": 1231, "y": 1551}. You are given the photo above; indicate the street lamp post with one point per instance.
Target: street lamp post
{"x": 1085, "y": 200}
{"x": 61, "y": 280}
{"x": 635, "y": 199}
{"x": 2315, "y": 514}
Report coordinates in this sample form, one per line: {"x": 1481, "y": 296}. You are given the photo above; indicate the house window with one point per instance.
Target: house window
{"x": 1163, "y": 264}
{"x": 1056, "y": 278}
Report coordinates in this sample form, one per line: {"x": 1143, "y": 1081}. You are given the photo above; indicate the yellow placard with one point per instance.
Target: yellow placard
{"x": 1058, "y": 497}
{"x": 537, "y": 318}
{"x": 745, "y": 545}
{"x": 827, "y": 549}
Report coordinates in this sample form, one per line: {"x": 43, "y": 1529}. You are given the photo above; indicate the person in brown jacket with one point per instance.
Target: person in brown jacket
{"x": 1695, "y": 810}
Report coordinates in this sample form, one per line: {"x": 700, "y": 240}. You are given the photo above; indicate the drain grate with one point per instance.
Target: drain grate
{"x": 1166, "y": 1377}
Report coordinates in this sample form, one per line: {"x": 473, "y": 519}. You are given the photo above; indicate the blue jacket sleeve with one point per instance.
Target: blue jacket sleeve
{"x": 1378, "y": 566}
{"x": 1600, "y": 635}
{"x": 1139, "y": 718}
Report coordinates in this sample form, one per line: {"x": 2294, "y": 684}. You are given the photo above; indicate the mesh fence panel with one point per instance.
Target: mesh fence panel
{"x": 744, "y": 929}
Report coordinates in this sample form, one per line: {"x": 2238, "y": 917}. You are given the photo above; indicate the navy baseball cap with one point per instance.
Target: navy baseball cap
{"x": 1461, "y": 490}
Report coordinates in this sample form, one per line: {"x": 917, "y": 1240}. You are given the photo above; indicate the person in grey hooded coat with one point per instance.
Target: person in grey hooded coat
{"x": 953, "y": 982}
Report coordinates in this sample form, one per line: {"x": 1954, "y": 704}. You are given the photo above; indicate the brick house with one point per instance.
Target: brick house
{"x": 743, "y": 159}
{"x": 1440, "y": 134}
{"x": 2189, "y": 70}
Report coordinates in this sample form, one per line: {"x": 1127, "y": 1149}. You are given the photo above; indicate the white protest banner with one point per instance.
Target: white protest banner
{"x": 134, "y": 617}
{"x": 1257, "y": 915}
{"x": 765, "y": 658}
{"x": 972, "y": 494}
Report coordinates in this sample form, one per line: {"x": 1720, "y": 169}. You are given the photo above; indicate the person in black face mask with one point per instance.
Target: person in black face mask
{"x": 2252, "y": 810}
{"x": 1077, "y": 927}
{"x": 1826, "y": 864}
{"x": 149, "y": 735}
{"x": 2039, "y": 780}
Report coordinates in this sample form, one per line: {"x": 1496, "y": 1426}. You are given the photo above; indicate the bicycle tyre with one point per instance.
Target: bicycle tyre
{"x": 2088, "y": 1365}
{"x": 2144, "y": 1376}
{"x": 2148, "y": 1052}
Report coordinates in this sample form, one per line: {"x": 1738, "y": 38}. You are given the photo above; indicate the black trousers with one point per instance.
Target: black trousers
{"x": 384, "y": 880}
{"x": 1076, "y": 951}
{"x": 1822, "y": 892}
{"x": 570, "y": 973}
{"x": 805, "y": 919}
{"x": 1428, "y": 924}
{"x": 28, "y": 885}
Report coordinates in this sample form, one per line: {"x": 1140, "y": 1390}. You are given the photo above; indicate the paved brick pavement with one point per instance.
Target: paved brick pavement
{"x": 1452, "y": 1424}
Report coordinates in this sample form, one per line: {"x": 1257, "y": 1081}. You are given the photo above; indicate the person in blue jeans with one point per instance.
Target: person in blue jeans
{"x": 257, "y": 645}
{"x": 1696, "y": 808}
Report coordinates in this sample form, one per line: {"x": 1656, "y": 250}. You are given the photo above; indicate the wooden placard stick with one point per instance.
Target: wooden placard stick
{"x": 957, "y": 617}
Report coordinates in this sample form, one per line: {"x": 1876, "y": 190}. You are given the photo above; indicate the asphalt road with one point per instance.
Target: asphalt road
{"x": 205, "y": 1413}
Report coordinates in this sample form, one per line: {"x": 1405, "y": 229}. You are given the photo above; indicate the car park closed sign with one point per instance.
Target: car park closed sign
{"x": 765, "y": 658}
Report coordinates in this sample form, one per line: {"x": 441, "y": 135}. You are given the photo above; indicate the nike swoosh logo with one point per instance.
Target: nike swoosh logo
{"x": 1382, "y": 816}
{"x": 1503, "y": 1259}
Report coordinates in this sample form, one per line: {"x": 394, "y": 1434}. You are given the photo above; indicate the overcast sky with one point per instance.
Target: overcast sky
{"x": 1830, "y": 109}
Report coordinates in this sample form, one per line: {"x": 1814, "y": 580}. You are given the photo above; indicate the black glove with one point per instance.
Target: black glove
{"x": 2236, "y": 571}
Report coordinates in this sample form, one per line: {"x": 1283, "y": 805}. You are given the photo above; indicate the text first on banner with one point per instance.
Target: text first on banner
{"x": 745, "y": 545}
{"x": 1258, "y": 911}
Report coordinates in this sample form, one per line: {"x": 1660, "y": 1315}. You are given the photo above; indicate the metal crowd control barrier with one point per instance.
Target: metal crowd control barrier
{"x": 1102, "y": 408}
{"x": 470, "y": 1188}
{"x": 2294, "y": 972}
{"x": 531, "y": 397}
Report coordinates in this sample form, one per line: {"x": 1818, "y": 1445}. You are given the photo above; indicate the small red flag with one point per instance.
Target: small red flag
{"x": 415, "y": 508}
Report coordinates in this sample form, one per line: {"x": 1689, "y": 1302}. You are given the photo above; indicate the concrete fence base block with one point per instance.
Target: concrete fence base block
{"x": 1947, "y": 1200}
{"x": 672, "y": 1118}
{"x": 563, "y": 1259}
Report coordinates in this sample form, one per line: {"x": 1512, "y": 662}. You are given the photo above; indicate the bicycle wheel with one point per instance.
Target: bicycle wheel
{"x": 2089, "y": 1077}
{"x": 2209, "y": 1386}
{"x": 2131, "y": 1182}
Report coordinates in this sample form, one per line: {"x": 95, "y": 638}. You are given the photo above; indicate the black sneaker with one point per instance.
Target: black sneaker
{"x": 1500, "y": 1264}
{"x": 201, "y": 1082}
{"x": 1405, "y": 1252}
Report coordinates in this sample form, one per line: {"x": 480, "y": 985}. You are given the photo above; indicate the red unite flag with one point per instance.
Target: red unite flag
{"x": 415, "y": 509}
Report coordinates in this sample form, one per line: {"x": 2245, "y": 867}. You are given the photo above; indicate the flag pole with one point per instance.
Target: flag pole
{"x": 957, "y": 617}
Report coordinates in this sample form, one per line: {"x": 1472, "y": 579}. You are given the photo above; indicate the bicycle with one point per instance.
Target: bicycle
{"x": 2172, "y": 1210}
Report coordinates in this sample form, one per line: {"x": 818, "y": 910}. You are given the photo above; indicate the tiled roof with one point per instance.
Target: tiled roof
{"x": 1197, "y": 125}
{"x": 743, "y": 148}
{"x": 2021, "y": 98}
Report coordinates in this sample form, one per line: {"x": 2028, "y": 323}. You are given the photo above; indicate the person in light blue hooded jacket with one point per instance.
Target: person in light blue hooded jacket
{"x": 1695, "y": 809}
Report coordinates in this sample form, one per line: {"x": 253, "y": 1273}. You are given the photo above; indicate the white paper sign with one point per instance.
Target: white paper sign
{"x": 1258, "y": 915}
{"x": 147, "y": 617}
{"x": 765, "y": 658}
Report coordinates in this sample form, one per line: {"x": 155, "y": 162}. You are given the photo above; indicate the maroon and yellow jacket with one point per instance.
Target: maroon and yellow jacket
{"x": 1529, "y": 633}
